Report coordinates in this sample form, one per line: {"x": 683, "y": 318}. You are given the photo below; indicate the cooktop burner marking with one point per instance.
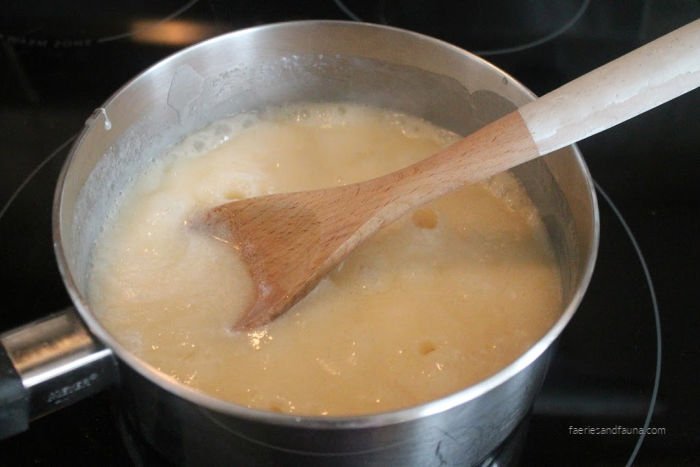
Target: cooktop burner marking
{"x": 657, "y": 322}
{"x": 489, "y": 52}
{"x": 31, "y": 174}
{"x": 551, "y": 36}
{"x": 347, "y": 11}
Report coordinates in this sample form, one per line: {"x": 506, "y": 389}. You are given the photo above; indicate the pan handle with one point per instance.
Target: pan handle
{"x": 47, "y": 365}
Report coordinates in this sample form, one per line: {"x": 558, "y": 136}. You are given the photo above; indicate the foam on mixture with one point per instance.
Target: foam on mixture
{"x": 435, "y": 302}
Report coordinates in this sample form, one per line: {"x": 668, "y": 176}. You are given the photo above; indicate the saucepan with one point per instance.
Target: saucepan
{"x": 69, "y": 355}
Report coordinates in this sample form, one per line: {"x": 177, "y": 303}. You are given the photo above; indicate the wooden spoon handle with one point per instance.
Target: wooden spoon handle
{"x": 617, "y": 91}
{"x": 626, "y": 87}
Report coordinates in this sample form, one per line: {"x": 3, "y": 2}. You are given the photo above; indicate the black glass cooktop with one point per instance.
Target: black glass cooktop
{"x": 629, "y": 359}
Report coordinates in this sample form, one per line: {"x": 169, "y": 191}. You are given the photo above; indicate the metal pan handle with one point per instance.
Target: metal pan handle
{"x": 47, "y": 365}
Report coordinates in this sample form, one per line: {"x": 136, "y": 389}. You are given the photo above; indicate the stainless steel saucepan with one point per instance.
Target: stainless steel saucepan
{"x": 69, "y": 355}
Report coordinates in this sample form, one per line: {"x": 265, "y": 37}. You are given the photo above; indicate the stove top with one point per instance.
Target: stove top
{"x": 628, "y": 359}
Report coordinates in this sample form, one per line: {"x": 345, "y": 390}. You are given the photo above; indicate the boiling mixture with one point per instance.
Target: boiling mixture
{"x": 435, "y": 302}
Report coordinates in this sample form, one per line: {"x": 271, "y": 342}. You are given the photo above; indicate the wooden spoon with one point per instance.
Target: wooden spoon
{"x": 290, "y": 241}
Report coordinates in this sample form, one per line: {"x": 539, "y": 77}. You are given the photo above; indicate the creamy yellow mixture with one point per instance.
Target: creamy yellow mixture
{"x": 435, "y": 302}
